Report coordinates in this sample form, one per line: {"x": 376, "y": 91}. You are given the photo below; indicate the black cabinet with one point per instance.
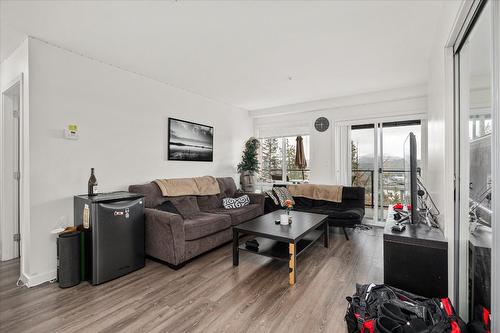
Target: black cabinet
{"x": 113, "y": 231}
{"x": 416, "y": 260}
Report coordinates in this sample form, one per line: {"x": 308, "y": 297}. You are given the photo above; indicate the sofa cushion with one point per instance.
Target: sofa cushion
{"x": 207, "y": 202}
{"x": 203, "y": 224}
{"x": 168, "y": 206}
{"x": 227, "y": 186}
{"x": 352, "y": 193}
{"x": 320, "y": 203}
{"x": 303, "y": 202}
{"x": 151, "y": 192}
{"x": 240, "y": 215}
{"x": 187, "y": 205}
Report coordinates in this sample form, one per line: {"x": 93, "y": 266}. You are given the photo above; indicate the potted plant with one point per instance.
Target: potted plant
{"x": 249, "y": 165}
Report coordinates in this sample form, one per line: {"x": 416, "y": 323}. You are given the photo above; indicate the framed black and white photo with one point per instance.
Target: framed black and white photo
{"x": 188, "y": 141}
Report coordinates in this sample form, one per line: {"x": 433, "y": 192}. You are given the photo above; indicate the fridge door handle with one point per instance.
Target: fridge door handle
{"x": 121, "y": 205}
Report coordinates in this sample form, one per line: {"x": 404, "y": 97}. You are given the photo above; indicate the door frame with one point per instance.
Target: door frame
{"x": 5, "y": 198}
{"x": 495, "y": 251}
{"x": 465, "y": 21}
{"x": 378, "y": 132}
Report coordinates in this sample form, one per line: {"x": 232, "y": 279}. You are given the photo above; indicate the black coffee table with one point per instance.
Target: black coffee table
{"x": 282, "y": 242}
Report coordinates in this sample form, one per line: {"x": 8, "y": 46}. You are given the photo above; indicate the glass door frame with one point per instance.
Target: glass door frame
{"x": 467, "y": 18}
{"x": 378, "y": 209}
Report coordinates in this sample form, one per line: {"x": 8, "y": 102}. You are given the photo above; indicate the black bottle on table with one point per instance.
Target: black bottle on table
{"x": 92, "y": 184}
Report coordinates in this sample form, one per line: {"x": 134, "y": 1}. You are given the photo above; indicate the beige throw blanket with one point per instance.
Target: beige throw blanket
{"x": 317, "y": 192}
{"x": 176, "y": 187}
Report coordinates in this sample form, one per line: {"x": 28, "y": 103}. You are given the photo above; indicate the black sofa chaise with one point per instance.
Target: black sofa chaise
{"x": 346, "y": 214}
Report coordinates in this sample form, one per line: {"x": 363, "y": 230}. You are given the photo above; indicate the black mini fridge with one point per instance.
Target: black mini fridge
{"x": 112, "y": 227}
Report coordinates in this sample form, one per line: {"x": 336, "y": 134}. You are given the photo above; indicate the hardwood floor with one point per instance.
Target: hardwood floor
{"x": 207, "y": 295}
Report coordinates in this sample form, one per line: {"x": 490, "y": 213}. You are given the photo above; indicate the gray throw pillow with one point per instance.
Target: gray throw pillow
{"x": 168, "y": 206}
{"x": 231, "y": 203}
{"x": 207, "y": 202}
{"x": 187, "y": 206}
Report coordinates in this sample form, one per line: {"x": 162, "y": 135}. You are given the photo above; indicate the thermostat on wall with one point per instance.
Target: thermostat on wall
{"x": 71, "y": 133}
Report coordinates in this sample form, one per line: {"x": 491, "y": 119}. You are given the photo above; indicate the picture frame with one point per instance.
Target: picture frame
{"x": 189, "y": 141}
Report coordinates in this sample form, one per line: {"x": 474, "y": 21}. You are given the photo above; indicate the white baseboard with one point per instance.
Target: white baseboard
{"x": 35, "y": 280}
{"x": 24, "y": 279}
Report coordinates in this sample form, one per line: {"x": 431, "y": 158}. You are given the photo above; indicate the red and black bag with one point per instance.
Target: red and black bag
{"x": 364, "y": 306}
{"x": 481, "y": 322}
{"x": 381, "y": 308}
{"x": 446, "y": 319}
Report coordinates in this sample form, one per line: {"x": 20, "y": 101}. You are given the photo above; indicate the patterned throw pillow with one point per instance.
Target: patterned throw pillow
{"x": 231, "y": 203}
{"x": 271, "y": 195}
{"x": 283, "y": 195}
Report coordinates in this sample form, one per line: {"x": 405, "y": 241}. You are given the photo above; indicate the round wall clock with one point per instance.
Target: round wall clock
{"x": 321, "y": 124}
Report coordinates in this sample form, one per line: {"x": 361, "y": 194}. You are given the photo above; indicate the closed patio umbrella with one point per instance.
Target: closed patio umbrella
{"x": 300, "y": 156}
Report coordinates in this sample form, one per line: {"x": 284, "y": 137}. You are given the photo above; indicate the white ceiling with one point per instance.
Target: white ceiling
{"x": 252, "y": 54}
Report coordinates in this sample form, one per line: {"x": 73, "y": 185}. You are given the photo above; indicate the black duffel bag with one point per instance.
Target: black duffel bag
{"x": 381, "y": 308}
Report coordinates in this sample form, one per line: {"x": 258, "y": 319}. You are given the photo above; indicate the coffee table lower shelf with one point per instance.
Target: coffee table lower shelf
{"x": 280, "y": 250}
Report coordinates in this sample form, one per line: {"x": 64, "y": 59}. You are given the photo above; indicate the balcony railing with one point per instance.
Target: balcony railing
{"x": 392, "y": 181}
{"x": 294, "y": 174}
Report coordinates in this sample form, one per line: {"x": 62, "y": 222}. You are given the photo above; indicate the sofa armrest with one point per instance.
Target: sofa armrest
{"x": 165, "y": 238}
{"x": 255, "y": 198}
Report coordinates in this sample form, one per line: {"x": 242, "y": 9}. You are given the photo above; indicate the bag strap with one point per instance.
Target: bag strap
{"x": 447, "y": 306}
{"x": 451, "y": 315}
{"x": 363, "y": 303}
{"x": 485, "y": 316}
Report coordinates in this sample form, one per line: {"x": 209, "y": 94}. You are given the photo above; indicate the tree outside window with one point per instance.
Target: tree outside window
{"x": 279, "y": 152}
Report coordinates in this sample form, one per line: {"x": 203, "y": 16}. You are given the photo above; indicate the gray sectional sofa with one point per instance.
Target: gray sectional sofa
{"x": 181, "y": 228}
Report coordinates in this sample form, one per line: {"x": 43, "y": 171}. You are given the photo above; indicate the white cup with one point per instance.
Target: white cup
{"x": 284, "y": 219}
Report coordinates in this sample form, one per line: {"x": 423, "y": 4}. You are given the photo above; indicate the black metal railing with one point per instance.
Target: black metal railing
{"x": 392, "y": 181}
{"x": 294, "y": 174}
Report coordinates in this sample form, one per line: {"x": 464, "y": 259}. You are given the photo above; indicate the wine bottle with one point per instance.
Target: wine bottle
{"x": 92, "y": 183}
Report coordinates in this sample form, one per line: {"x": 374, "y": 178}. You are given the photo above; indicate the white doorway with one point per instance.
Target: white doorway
{"x": 10, "y": 235}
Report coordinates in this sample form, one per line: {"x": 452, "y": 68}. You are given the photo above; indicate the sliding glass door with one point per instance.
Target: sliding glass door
{"x": 473, "y": 224}
{"x": 377, "y": 163}
{"x": 391, "y": 166}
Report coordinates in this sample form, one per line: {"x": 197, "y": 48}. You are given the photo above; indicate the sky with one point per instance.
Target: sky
{"x": 190, "y": 133}
{"x": 393, "y": 140}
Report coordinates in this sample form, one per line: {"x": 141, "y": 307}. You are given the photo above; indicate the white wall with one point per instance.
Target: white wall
{"x": 299, "y": 118}
{"x": 440, "y": 113}
{"x": 440, "y": 124}
{"x": 122, "y": 120}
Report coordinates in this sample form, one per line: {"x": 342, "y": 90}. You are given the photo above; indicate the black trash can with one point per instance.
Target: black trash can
{"x": 68, "y": 259}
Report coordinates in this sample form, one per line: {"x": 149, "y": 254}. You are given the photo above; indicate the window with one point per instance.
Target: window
{"x": 271, "y": 161}
{"x": 277, "y": 158}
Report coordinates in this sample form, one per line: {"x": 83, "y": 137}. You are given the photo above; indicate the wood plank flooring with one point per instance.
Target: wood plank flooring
{"x": 207, "y": 295}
